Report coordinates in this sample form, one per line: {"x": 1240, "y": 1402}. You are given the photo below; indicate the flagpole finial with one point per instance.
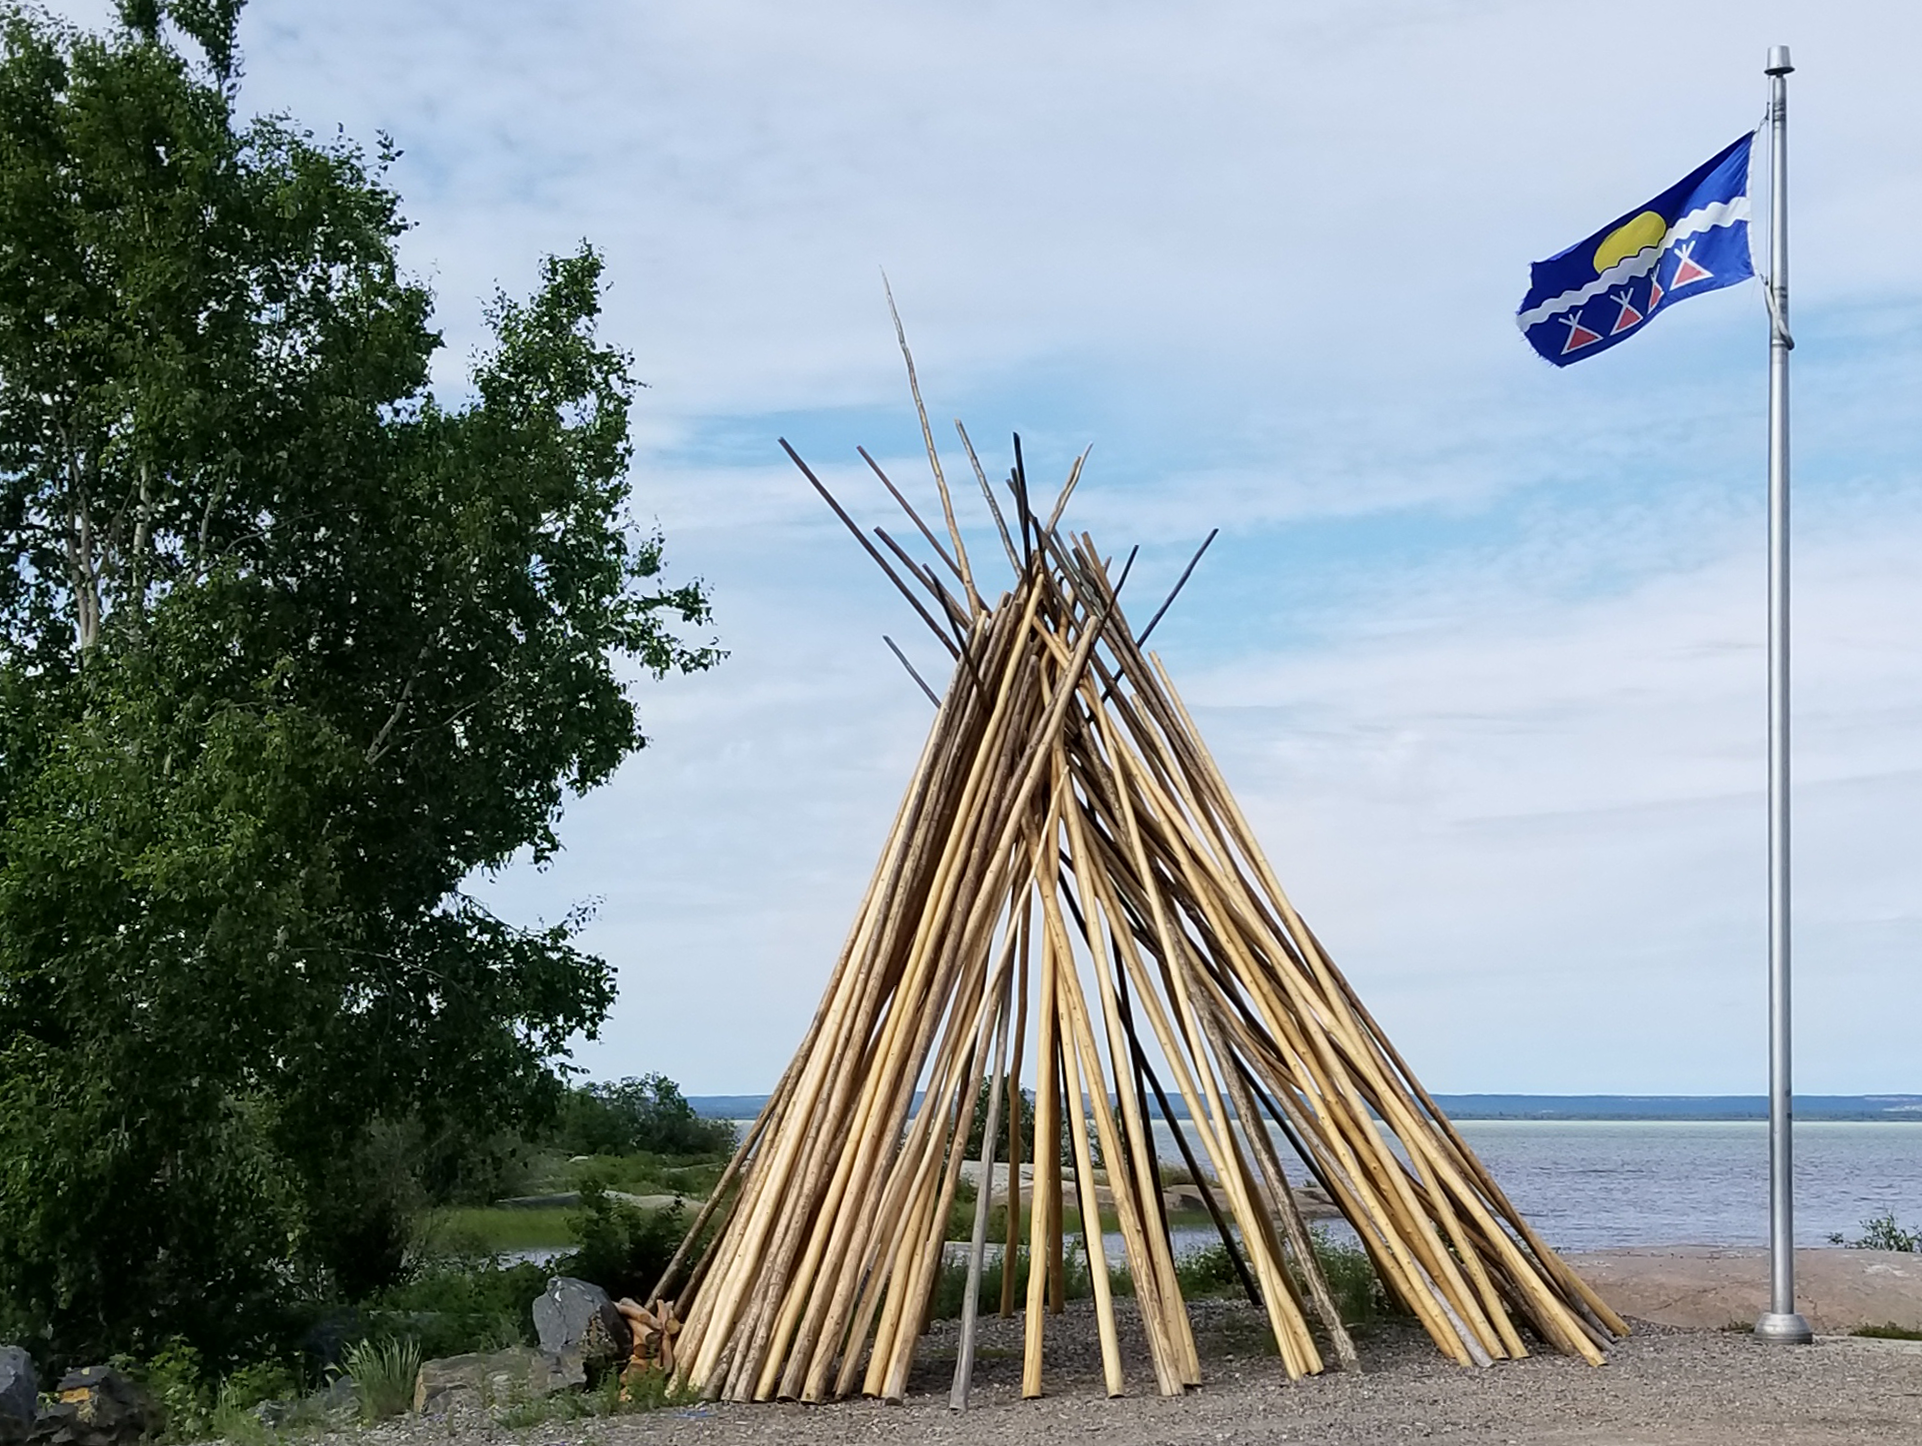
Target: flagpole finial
{"x": 1779, "y": 63}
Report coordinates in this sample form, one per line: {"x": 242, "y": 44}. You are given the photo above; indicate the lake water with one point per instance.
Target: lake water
{"x": 1590, "y": 1184}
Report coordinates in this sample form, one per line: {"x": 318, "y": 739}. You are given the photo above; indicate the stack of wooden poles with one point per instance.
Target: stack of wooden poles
{"x": 1070, "y": 895}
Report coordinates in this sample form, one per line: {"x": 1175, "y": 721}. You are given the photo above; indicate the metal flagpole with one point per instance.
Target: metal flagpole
{"x": 1779, "y": 1322}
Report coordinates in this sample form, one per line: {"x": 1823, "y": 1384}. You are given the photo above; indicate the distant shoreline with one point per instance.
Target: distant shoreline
{"x": 1888, "y": 1109}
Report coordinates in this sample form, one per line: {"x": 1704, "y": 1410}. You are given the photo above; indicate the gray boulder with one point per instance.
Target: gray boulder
{"x": 19, "y": 1393}
{"x": 274, "y": 1414}
{"x": 496, "y": 1378}
{"x": 335, "y": 1405}
{"x": 337, "y": 1397}
{"x": 576, "y": 1319}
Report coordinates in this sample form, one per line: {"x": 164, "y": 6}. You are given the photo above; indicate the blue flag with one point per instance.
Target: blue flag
{"x": 1691, "y": 239}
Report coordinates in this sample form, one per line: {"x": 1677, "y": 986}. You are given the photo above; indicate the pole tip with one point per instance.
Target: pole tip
{"x": 1779, "y": 63}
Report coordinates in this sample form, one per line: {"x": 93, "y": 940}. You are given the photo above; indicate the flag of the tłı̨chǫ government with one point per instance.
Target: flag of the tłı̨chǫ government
{"x": 1691, "y": 239}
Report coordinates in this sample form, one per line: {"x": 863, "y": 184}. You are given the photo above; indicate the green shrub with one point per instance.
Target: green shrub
{"x": 979, "y": 1128}
{"x": 240, "y": 1392}
{"x": 622, "y": 1249}
{"x": 175, "y": 1379}
{"x": 452, "y": 1307}
{"x": 644, "y": 1390}
{"x": 1076, "y": 1282}
{"x": 1208, "y": 1271}
{"x": 1882, "y": 1233}
{"x": 194, "y": 1407}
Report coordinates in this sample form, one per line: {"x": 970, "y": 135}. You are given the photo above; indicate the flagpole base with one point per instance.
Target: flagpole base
{"x": 1784, "y": 1328}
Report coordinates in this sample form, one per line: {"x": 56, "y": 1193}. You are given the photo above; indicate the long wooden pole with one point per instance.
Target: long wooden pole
{"x": 983, "y": 1203}
{"x": 1047, "y": 1172}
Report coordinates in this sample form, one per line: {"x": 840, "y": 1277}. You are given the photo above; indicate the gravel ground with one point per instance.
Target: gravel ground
{"x": 1662, "y": 1387}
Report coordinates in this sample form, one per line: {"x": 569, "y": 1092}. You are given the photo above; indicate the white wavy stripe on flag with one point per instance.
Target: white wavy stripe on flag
{"x": 1705, "y": 218}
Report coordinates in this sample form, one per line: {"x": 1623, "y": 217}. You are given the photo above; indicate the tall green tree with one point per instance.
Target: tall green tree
{"x": 288, "y": 649}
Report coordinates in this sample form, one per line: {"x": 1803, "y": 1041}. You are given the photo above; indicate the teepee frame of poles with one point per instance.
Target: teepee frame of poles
{"x": 1070, "y": 889}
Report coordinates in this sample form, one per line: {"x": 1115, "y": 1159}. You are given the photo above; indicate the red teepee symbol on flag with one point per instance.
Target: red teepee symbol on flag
{"x": 1687, "y": 268}
{"x": 1654, "y": 288}
{"x": 1629, "y": 315}
{"x": 1579, "y": 336}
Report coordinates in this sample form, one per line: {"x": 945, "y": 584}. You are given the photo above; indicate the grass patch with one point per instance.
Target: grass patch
{"x": 383, "y": 1373}
{"x": 951, "y": 1284}
{"x": 490, "y": 1231}
{"x": 1358, "y": 1291}
{"x": 1207, "y": 1271}
{"x": 1889, "y": 1332}
{"x": 643, "y": 1173}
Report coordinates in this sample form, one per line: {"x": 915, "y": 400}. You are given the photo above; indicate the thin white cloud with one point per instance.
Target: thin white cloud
{"x": 1277, "y": 189}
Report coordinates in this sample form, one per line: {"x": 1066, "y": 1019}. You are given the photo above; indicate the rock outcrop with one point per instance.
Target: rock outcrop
{"x": 97, "y": 1406}
{"x": 19, "y": 1393}
{"x": 1710, "y": 1287}
{"x": 496, "y": 1378}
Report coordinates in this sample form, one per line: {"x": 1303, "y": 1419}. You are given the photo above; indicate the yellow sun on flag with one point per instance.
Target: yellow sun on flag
{"x": 1638, "y": 233}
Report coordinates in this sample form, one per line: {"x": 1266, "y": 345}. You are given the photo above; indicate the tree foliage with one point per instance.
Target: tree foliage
{"x": 644, "y": 1113}
{"x": 1064, "y": 1144}
{"x": 288, "y": 649}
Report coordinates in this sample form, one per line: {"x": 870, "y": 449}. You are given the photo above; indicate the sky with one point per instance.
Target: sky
{"x": 1481, "y": 645}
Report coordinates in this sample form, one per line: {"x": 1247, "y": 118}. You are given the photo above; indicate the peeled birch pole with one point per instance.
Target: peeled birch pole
{"x": 983, "y": 1203}
{"x": 1009, "y": 1250}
